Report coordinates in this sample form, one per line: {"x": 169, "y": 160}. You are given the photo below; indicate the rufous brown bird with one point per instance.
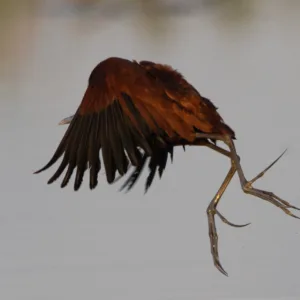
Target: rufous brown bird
{"x": 136, "y": 112}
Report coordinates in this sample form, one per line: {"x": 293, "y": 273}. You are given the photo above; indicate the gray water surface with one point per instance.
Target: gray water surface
{"x": 61, "y": 244}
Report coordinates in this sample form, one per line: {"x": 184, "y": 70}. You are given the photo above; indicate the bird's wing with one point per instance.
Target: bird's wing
{"x": 127, "y": 113}
{"x": 123, "y": 111}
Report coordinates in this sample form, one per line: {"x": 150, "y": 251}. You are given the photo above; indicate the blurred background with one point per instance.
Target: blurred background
{"x": 58, "y": 244}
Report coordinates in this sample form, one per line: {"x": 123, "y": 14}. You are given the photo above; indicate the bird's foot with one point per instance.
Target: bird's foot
{"x": 269, "y": 196}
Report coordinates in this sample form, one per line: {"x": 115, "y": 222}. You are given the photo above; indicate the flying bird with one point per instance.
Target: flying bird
{"x": 137, "y": 112}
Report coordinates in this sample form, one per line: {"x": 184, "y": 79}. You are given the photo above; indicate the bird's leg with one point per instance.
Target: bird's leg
{"x": 249, "y": 189}
{"x": 247, "y": 185}
{"x": 211, "y": 212}
{"x": 228, "y": 154}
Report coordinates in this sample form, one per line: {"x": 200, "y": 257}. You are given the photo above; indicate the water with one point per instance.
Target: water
{"x": 58, "y": 244}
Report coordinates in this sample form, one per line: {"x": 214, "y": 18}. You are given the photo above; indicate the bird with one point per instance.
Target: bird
{"x": 135, "y": 112}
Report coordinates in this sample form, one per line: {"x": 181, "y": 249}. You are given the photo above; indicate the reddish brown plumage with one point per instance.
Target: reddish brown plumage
{"x": 132, "y": 111}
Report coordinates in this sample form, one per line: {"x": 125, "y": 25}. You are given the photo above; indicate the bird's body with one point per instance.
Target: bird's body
{"x": 132, "y": 111}
{"x": 129, "y": 107}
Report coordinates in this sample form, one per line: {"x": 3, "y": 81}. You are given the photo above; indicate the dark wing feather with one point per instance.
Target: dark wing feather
{"x": 130, "y": 182}
{"x": 108, "y": 121}
{"x": 94, "y": 146}
{"x": 110, "y": 131}
{"x": 158, "y": 160}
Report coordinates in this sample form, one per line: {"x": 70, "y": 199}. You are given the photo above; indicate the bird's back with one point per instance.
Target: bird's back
{"x": 187, "y": 97}
{"x": 162, "y": 91}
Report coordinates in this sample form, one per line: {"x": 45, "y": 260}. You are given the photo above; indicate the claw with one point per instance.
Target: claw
{"x": 220, "y": 268}
{"x": 211, "y": 212}
{"x": 272, "y": 198}
{"x": 213, "y": 236}
{"x": 262, "y": 173}
{"x": 228, "y": 222}
{"x": 287, "y": 204}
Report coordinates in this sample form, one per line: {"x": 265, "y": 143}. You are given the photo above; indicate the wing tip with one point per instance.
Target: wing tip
{"x": 41, "y": 170}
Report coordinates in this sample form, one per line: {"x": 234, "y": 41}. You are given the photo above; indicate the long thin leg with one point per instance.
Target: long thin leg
{"x": 247, "y": 185}
{"x": 247, "y": 188}
{"x": 211, "y": 211}
{"x": 228, "y": 154}
{"x": 205, "y": 142}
